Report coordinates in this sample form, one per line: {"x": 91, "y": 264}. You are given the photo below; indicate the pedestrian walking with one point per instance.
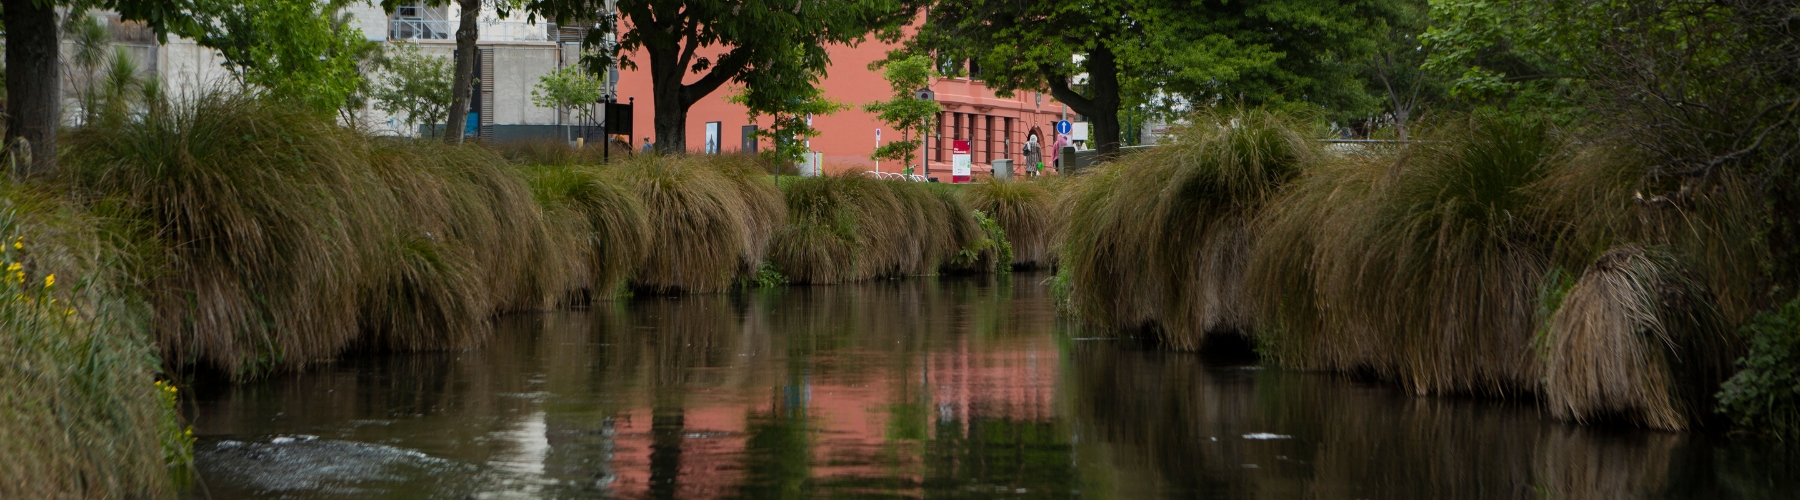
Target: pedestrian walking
{"x": 1034, "y": 156}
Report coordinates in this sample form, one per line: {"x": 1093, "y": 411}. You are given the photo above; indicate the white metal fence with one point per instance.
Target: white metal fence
{"x": 420, "y": 29}
{"x": 491, "y": 31}
{"x": 892, "y": 176}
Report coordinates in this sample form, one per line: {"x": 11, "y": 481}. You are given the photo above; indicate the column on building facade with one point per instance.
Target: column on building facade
{"x": 1011, "y": 142}
{"x": 980, "y": 123}
{"x": 943, "y": 124}
{"x": 987, "y": 138}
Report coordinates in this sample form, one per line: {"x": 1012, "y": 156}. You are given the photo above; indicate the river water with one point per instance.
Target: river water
{"x": 931, "y": 387}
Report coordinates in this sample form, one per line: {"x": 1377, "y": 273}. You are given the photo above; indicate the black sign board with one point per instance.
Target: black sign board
{"x": 618, "y": 118}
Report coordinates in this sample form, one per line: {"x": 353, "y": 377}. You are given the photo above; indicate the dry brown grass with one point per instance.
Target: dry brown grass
{"x": 1158, "y": 240}
{"x": 1026, "y": 210}
{"x": 283, "y": 239}
{"x": 1415, "y": 264}
{"x": 596, "y": 224}
{"x": 1608, "y": 345}
{"x": 851, "y": 227}
{"x": 710, "y": 219}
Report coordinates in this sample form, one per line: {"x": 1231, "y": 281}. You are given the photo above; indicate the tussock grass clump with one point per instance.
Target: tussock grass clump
{"x": 851, "y": 227}
{"x": 556, "y": 152}
{"x": 285, "y": 238}
{"x": 1609, "y": 346}
{"x": 1421, "y": 266}
{"x": 1158, "y": 239}
{"x": 1025, "y": 209}
{"x": 85, "y": 417}
{"x": 468, "y": 241}
{"x": 269, "y": 218}
{"x": 710, "y": 219}
{"x": 1444, "y": 265}
{"x": 598, "y": 227}
{"x": 1645, "y": 333}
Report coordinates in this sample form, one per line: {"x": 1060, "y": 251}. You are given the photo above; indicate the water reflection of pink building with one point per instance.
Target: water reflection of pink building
{"x": 850, "y": 420}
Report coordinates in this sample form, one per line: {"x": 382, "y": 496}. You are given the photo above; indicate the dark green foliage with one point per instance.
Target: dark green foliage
{"x": 1764, "y": 396}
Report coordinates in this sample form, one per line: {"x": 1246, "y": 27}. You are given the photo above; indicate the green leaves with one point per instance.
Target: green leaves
{"x": 569, "y": 87}
{"x": 790, "y": 121}
{"x": 906, "y": 113}
{"x": 1765, "y": 395}
{"x": 291, "y": 50}
{"x": 415, "y": 85}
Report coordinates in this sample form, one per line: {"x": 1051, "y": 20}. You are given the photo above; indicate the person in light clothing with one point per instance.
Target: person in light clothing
{"x": 1034, "y": 155}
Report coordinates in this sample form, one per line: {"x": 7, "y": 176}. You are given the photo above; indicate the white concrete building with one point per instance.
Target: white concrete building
{"x": 514, "y": 54}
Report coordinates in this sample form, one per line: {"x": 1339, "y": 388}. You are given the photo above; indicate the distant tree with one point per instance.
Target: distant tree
{"x": 790, "y": 106}
{"x": 91, "y": 42}
{"x": 1396, "y": 68}
{"x": 773, "y": 49}
{"x": 570, "y": 87}
{"x": 905, "y": 112}
{"x": 414, "y": 85}
{"x": 370, "y": 57}
{"x": 1286, "y": 53}
{"x": 292, "y": 50}
{"x": 468, "y": 32}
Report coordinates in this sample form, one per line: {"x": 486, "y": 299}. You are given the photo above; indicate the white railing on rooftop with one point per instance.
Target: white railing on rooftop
{"x": 420, "y": 29}
{"x": 517, "y": 31}
{"x": 491, "y": 31}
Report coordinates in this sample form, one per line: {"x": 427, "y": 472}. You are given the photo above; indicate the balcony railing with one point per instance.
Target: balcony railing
{"x": 491, "y": 31}
{"x": 516, "y": 31}
{"x": 420, "y": 29}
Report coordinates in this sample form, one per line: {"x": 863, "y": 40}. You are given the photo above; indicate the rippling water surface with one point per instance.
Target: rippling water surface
{"x": 958, "y": 388}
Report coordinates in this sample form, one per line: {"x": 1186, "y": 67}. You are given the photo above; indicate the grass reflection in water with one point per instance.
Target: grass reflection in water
{"x": 933, "y": 388}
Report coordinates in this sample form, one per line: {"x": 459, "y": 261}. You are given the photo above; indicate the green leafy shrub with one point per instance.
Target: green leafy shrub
{"x": 1764, "y": 396}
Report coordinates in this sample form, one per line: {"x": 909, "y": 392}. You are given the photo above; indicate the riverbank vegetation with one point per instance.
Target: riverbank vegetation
{"x": 1603, "y": 224}
{"x": 1499, "y": 255}
{"x": 271, "y": 238}
{"x": 851, "y": 227}
{"x": 1160, "y": 239}
{"x": 1026, "y": 211}
{"x": 86, "y": 415}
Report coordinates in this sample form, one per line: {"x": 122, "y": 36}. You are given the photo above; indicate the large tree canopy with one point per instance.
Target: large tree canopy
{"x": 774, "y": 48}
{"x": 1288, "y": 53}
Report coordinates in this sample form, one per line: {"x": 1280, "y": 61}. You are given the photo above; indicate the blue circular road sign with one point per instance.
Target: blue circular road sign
{"x": 1063, "y": 127}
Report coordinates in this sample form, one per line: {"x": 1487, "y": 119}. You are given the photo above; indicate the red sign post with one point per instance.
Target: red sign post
{"x": 959, "y": 161}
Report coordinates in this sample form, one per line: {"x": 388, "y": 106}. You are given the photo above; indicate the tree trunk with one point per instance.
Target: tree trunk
{"x": 670, "y": 119}
{"x": 467, "y": 33}
{"x": 671, "y": 43}
{"x": 33, "y": 81}
{"x": 1102, "y": 110}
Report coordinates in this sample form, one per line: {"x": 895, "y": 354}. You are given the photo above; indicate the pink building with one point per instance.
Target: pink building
{"x": 995, "y": 127}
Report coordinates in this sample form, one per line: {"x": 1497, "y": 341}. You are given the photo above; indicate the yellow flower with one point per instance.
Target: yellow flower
{"x": 49, "y": 279}
{"x": 14, "y": 267}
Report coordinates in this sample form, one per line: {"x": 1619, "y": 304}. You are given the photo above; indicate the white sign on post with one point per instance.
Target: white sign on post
{"x": 810, "y": 167}
{"x": 1080, "y": 131}
{"x": 959, "y": 161}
